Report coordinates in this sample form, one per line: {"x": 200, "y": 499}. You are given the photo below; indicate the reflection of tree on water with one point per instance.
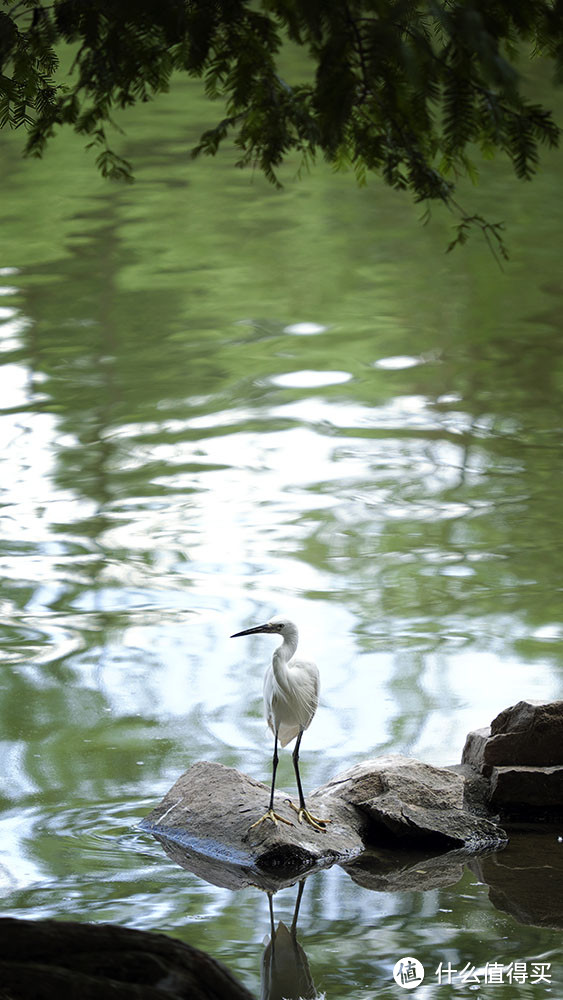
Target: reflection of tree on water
{"x": 285, "y": 967}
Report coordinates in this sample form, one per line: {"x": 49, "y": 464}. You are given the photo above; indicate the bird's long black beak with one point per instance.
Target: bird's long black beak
{"x": 250, "y": 631}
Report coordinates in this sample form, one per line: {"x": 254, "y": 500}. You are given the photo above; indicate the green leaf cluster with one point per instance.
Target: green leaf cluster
{"x": 410, "y": 91}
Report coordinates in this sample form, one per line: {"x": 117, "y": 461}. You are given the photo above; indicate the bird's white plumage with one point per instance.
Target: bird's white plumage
{"x": 290, "y": 703}
{"x": 291, "y": 687}
{"x": 291, "y": 696}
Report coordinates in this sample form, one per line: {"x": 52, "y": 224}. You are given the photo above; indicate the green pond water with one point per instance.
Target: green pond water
{"x": 220, "y": 401}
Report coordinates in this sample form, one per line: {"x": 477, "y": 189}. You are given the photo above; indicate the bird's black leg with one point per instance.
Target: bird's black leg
{"x": 271, "y": 814}
{"x": 302, "y": 812}
{"x": 275, "y": 759}
{"x": 297, "y": 775}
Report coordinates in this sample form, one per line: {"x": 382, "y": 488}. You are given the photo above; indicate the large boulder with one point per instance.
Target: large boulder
{"x": 210, "y": 811}
{"x": 206, "y": 820}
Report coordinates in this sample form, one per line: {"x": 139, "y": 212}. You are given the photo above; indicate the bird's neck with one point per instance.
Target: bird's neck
{"x": 283, "y": 654}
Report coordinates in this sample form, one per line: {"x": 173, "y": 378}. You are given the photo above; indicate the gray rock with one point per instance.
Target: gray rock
{"x": 205, "y": 820}
{"x": 432, "y": 787}
{"x": 528, "y": 733}
{"x": 210, "y": 811}
{"x": 475, "y": 789}
{"x": 518, "y": 789}
{"x": 475, "y": 748}
{"x": 408, "y": 800}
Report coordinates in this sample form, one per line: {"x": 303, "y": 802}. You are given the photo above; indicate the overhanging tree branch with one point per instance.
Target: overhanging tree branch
{"x": 401, "y": 89}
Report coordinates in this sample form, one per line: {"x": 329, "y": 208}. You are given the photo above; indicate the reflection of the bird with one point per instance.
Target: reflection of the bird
{"x": 285, "y": 968}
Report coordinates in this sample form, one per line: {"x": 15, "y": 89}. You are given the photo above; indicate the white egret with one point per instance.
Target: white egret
{"x": 291, "y": 696}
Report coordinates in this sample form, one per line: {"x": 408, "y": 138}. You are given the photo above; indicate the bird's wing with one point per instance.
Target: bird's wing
{"x": 269, "y": 683}
{"x": 291, "y": 707}
{"x": 304, "y": 680}
{"x": 302, "y": 698}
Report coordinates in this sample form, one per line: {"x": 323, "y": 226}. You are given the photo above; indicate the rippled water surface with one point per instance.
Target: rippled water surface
{"x": 219, "y": 402}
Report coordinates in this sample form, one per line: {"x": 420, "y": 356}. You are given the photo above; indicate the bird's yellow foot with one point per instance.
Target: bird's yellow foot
{"x": 274, "y": 818}
{"x": 314, "y": 821}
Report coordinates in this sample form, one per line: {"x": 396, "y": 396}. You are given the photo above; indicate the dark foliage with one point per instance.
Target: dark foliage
{"x": 411, "y": 91}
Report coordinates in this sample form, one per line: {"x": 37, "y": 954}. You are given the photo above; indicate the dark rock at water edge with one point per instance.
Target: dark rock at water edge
{"x": 536, "y": 791}
{"x": 43, "y": 959}
{"x": 521, "y": 754}
{"x": 529, "y": 733}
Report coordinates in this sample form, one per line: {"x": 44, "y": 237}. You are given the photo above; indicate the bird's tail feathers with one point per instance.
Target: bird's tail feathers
{"x": 287, "y": 733}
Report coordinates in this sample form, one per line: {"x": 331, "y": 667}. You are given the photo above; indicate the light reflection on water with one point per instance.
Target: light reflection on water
{"x": 350, "y": 935}
{"x": 382, "y": 467}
